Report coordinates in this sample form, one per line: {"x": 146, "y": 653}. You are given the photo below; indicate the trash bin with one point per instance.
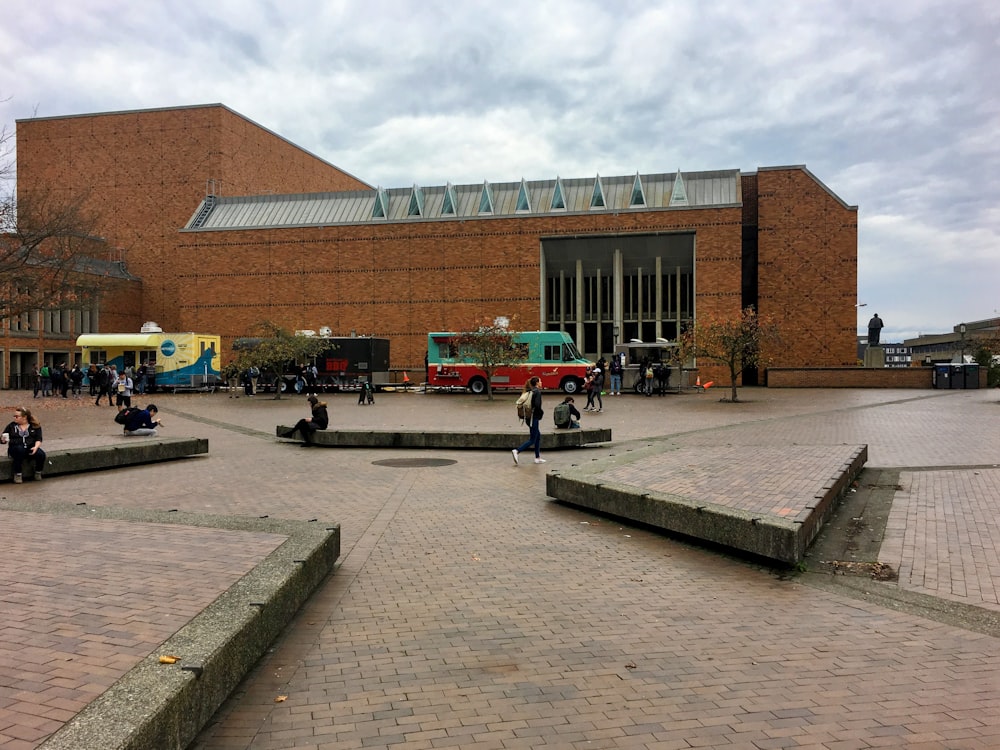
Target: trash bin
{"x": 971, "y": 375}
{"x": 941, "y": 377}
{"x": 956, "y": 374}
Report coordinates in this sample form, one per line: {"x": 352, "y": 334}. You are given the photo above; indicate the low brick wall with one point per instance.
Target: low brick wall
{"x": 849, "y": 377}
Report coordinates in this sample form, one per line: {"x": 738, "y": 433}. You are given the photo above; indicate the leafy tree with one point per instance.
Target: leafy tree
{"x": 986, "y": 353}
{"x": 490, "y": 344}
{"x": 735, "y": 343}
{"x": 275, "y": 349}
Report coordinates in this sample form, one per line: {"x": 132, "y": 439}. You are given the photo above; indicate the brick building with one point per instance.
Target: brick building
{"x": 228, "y": 224}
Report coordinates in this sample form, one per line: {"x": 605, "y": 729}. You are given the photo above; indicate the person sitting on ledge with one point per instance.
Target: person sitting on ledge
{"x": 307, "y": 427}
{"x": 142, "y": 422}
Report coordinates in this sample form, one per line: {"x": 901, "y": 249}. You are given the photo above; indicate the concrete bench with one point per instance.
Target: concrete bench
{"x": 452, "y": 440}
{"x": 129, "y": 452}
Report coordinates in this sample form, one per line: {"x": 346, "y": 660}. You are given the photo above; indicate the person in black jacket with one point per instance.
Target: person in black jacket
{"x": 142, "y": 421}
{"x": 307, "y": 427}
{"x": 535, "y": 438}
{"x": 24, "y": 440}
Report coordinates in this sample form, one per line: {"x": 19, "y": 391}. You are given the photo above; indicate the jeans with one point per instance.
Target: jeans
{"x": 616, "y": 383}
{"x": 534, "y": 439}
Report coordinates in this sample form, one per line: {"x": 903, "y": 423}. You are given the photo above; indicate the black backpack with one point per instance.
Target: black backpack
{"x": 122, "y": 416}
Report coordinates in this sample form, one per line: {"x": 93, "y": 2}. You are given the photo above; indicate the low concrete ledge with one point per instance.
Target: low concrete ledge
{"x": 129, "y": 452}
{"x": 557, "y": 440}
{"x": 784, "y": 538}
{"x": 164, "y": 706}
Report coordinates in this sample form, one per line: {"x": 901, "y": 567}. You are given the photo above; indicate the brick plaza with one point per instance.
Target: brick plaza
{"x": 470, "y": 610}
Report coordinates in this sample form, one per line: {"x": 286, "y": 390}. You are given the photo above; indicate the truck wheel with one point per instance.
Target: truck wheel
{"x": 570, "y": 385}
{"x": 478, "y": 386}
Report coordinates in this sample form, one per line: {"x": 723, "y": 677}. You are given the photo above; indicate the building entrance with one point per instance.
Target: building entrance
{"x": 606, "y": 290}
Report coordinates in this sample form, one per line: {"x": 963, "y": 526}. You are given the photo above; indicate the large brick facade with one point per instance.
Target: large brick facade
{"x": 791, "y": 247}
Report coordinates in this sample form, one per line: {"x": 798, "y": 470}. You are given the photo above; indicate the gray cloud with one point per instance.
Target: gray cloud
{"x": 892, "y": 105}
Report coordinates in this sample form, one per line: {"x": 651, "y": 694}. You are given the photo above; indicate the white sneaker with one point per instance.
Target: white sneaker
{"x": 514, "y": 454}
{"x": 539, "y": 460}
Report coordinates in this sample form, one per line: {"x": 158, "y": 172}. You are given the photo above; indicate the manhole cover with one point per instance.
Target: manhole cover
{"x": 411, "y": 463}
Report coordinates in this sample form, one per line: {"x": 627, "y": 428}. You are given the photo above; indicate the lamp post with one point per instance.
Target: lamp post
{"x": 962, "y": 329}
{"x": 616, "y": 331}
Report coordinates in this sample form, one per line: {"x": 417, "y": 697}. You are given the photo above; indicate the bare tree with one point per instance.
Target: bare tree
{"x": 736, "y": 343}
{"x": 51, "y": 257}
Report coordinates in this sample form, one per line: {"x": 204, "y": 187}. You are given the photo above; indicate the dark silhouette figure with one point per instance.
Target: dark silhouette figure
{"x": 874, "y": 330}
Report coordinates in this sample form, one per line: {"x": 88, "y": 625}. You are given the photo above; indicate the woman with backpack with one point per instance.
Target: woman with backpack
{"x": 535, "y": 436}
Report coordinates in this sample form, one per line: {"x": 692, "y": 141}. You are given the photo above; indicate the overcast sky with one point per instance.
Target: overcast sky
{"x": 893, "y": 104}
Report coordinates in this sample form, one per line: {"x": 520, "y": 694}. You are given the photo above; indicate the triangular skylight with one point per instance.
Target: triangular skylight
{"x": 486, "y": 199}
{"x": 416, "y": 202}
{"x": 638, "y": 196}
{"x": 523, "y": 200}
{"x": 558, "y": 198}
{"x": 381, "y": 208}
{"x": 449, "y": 207}
{"x": 597, "y": 197}
{"x": 678, "y": 196}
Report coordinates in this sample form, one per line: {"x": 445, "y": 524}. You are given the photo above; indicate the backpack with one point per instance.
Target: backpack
{"x": 44, "y": 372}
{"x": 561, "y": 415}
{"x": 122, "y": 416}
{"x": 523, "y": 405}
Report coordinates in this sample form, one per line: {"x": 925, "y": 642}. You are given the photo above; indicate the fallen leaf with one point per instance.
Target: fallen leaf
{"x": 281, "y": 699}
{"x": 167, "y": 659}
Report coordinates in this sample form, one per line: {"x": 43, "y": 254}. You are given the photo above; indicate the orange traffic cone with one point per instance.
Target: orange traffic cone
{"x": 406, "y": 380}
{"x": 697, "y": 383}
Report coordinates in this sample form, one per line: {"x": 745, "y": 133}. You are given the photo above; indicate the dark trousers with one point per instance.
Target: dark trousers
{"x": 534, "y": 440}
{"x": 306, "y": 428}
{"x": 17, "y": 455}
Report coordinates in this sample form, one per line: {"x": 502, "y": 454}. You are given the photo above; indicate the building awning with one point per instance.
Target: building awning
{"x": 120, "y": 340}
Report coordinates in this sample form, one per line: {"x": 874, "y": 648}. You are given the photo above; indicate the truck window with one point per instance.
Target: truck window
{"x": 553, "y": 352}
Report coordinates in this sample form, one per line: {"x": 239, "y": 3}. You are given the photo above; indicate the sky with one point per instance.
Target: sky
{"x": 893, "y": 105}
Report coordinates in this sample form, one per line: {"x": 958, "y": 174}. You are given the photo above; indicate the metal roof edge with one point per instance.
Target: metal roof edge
{"x": 474, "y": 217}
{"x": 814, "y": 178}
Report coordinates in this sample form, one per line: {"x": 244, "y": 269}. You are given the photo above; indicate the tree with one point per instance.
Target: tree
{"x": 737, "y": 344}
{"x": 490, "y": 344}
{"x": 51, "y": 257}
{"x": 275, "y": 349}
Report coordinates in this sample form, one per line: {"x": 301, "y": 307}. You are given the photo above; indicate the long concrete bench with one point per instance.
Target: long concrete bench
{"x": 129, "y": 452}
{"x": 451, "y": 440}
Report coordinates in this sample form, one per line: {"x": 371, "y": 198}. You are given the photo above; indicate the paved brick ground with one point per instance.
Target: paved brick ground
{"x": 472, "y": 611}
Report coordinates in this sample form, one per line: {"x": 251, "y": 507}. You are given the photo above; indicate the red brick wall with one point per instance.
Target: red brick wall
{"x": 808, "y": 268}
{"x": 850, "y": 377}
{"x": 405, "y": 280}
{"x": 146, "y": 172}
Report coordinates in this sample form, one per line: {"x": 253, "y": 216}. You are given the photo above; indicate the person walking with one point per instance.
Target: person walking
{"x": 319, "y": 420}
{"x": 104, "y": 380}
{"x": 23, "y": 437}
{"x": 36, "y": 380}
{"x": 46, "y": 376}
{"x": 535, "y": 436}
{"x": 123, "y": 390}
{"x": 93, "y": 373}
{"x": 76, "y": 381}
{"x": 617, "y": 370}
